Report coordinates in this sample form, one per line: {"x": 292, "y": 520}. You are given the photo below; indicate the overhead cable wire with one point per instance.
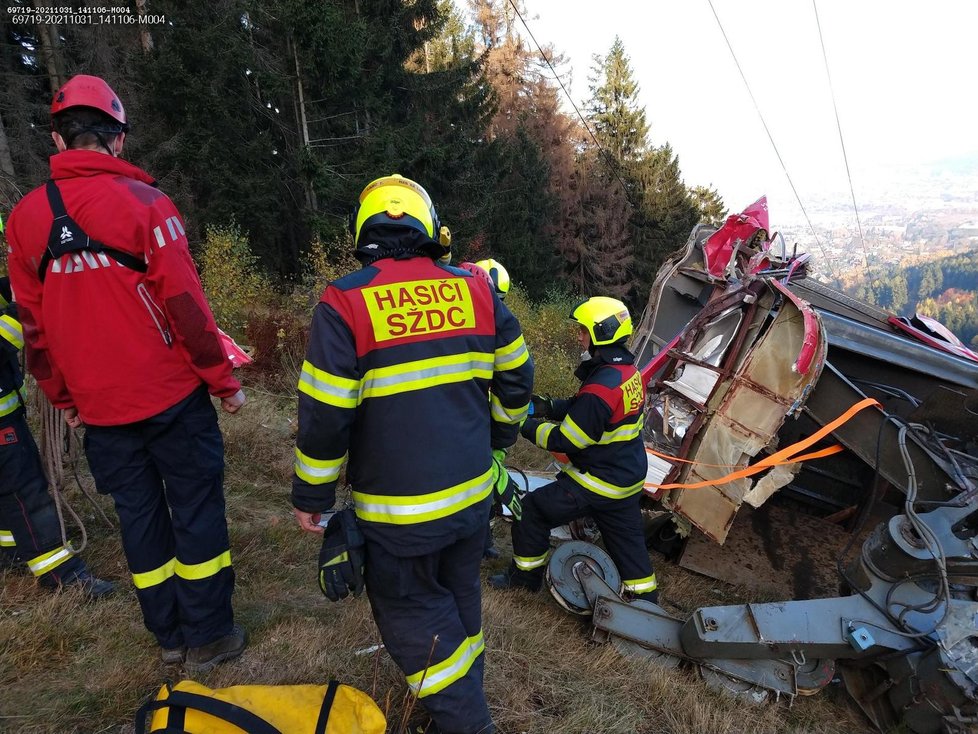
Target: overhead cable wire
{"x": 842, "y": 142}
{"x": 611, "y": 159}
{"x": 769, "y": 136}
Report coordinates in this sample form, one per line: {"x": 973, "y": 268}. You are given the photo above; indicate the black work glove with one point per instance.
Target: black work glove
{"x": 528, "y": 429}
{"x": 543, "y": 406}
{"x": 341, "y": 557}
{"x": 504, "y": 485}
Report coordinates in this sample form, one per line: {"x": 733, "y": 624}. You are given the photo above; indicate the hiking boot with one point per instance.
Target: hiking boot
{"x": 173, "y": 655}
{"x": 652, "y": 596}
{"x": 513, "y": 578}
{"x": 93, "y": 587}
{"x": 207, "y": 657}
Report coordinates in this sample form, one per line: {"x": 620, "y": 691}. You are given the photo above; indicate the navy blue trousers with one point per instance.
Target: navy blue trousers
{"x": 619, "y": 520}
{"x": 27, "y": 512}
{"x": 166, "y": 477}
{"x": 416, "y": 599}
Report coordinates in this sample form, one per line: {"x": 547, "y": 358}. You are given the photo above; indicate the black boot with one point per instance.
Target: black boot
{"x": 652, "y": 596}
{"x": 200, "y": 660}
{"x": 92, "y": 587}
{"x": 514, "y": 578}
{"x": 489, "y": 551}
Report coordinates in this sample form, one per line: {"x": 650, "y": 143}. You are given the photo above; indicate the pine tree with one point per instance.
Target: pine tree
{"x": 597, "y": 254}
{"x": 662, "y": 211}
{"x": 709, "y": 204}
{"x": 617, "y": 119}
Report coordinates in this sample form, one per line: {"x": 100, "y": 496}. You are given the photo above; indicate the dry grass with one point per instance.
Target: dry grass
{"x": 68, "y": 666}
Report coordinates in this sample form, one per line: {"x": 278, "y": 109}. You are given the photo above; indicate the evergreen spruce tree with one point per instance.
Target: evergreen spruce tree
{"x": 709, "y": 204}
{"x": 662, "y": 211}
{"x": 614, "y": 112}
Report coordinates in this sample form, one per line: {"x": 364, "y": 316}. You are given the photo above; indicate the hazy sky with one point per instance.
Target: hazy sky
{"x": 902, "y": 70}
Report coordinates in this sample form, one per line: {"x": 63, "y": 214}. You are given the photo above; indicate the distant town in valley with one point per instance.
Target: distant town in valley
{"x": 909, "y": 216}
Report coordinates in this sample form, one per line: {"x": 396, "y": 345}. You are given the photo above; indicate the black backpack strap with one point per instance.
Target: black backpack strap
{"x": 229, "y": 712}
{"x": 323, "y": 720}
{"x": 66, "y": 236}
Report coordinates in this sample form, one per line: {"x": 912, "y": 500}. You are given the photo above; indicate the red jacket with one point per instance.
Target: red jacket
{"x": 96, "y": 332}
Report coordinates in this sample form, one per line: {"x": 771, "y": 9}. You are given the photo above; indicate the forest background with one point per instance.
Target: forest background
{"x": 266, "y": 118}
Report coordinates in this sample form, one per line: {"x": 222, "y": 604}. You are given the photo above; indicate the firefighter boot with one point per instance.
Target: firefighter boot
{"x": 513, "y": 578}
{"x": 489, "y": 551}
{"x": 91, "y": 586}
{"x": 207, "y": 657}
{"x": 652, "y": 596}
{"x": 173, "y": 655}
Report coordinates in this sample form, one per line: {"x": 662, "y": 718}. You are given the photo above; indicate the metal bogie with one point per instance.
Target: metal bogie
{"x": 922, "y": 641}
{"x": 923, "y": 646}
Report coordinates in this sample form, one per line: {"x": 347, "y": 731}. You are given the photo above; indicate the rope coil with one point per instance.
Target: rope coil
{"x": 58, "y": 447}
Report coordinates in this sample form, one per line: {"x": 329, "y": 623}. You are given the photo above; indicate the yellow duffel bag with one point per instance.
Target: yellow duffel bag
{"x": 190, "y": 708}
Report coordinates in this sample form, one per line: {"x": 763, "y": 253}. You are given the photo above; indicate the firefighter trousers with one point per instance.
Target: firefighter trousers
{"x": 28, "y": 519}
{"x": 619, "y": 520}
{"x": 429, "y": 612}
{"x": 166, "y": 477}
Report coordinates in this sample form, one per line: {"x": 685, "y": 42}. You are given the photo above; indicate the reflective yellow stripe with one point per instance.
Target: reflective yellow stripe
{"x": 425, "y": 373}
{"x": 574, "y": 433}
{"x": 511, "y": 356}
{"x": 48, "y": 561}
{"x": 317, "y": 471}
{"x": 12, "y": 331}
{"x": 439, "y": 676}
{"x": 591, "y": 482}
{"x": 528, "y": 563}
{"x": 7, "y": 539}
{"x": 623, "y": 433}
{"x": 641, "y": 586}
{"x": 502, "y": 414}
{"x": 197, "y": 571}
{"x": 543, "y": 433}
{"x": 328, "y": 388}
{"x": 341, "y": 558}
{"x": 9, "y": 403}
{"x": 157, "y": 576}
{"x": 417, "y": 508}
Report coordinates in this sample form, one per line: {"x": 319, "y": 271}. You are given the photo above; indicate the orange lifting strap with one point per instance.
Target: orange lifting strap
{"x": 787, "y": 455}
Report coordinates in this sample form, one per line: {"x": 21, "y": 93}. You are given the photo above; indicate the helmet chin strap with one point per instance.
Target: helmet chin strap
{"x": 101, "y": 140}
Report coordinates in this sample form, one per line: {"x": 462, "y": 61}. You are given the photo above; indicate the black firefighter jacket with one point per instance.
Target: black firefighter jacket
{"x": 414, "y": 371}
{"x": 600, "y": 428}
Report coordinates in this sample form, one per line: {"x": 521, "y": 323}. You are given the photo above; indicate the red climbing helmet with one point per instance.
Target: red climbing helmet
{"x": 83, "y": 90}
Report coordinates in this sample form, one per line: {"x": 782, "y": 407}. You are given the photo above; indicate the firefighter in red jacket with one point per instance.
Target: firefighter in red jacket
{"x": 401, "y": 358}
{"x": 120, "y": 336}
{"x": 600, "y": 430}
